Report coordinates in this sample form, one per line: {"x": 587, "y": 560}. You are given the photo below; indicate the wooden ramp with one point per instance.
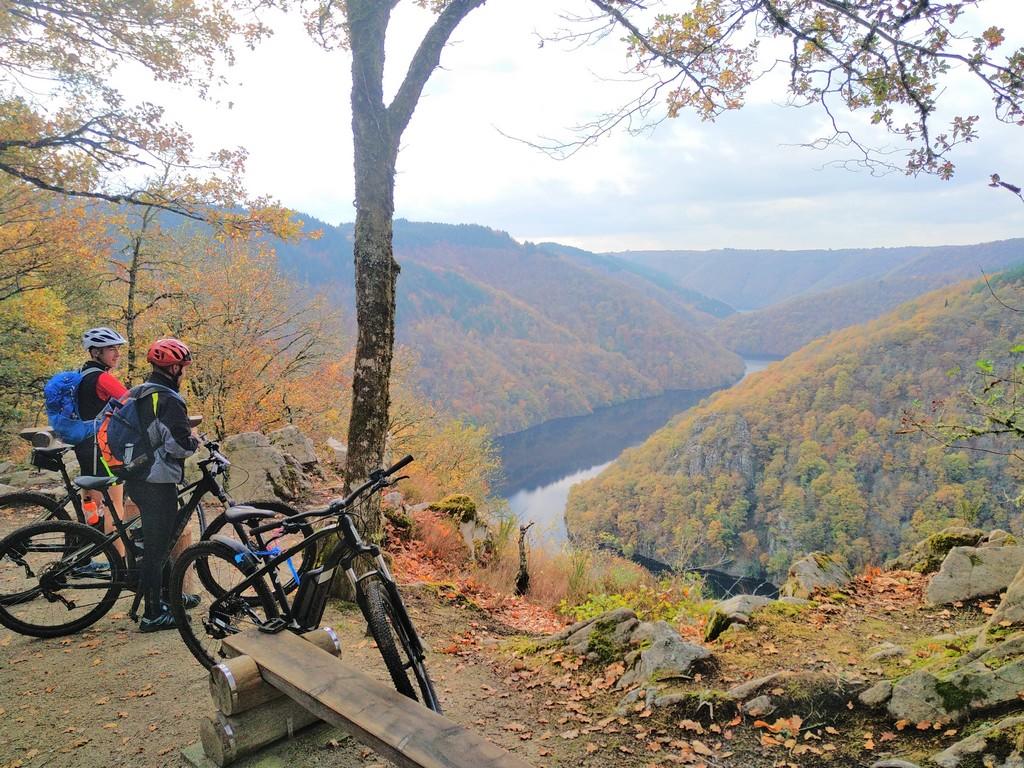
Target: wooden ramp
{"x": 398, "y": 728}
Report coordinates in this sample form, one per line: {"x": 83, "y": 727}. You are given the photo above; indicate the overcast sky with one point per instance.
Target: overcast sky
{"x": 738, "y": 182}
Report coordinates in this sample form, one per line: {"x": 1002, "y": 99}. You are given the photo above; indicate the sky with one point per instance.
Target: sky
{"x": 740, "y": 182}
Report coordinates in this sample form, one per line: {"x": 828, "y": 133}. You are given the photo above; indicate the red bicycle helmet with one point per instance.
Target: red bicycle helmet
{"x": 167, "y": 352}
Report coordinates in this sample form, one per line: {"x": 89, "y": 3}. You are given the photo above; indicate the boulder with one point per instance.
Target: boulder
{"x": 337, "y": 453}
{"x": 610, "y": 629}
{"x": 290, "y": 440}
{"x": 980, "y": 680}
{"x": 816, "y": 571}
{"x": 735, "y": 610}
{"x": 260, "y": 470}
{"x": 664, "y": 654}
{"x": 1009, "y": 614}
{"x": 886, "y": 650}
{"x": 999, "y": 538}
{"x": 877, "y": 695}
{"x": 970, "y": 572}
{"x": 1001, "y": 737}
{"x": 927, "y": 555}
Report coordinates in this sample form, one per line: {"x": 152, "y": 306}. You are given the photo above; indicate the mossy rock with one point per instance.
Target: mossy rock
{"x": 927, "y": 555}
{"x": 458, "y": 506}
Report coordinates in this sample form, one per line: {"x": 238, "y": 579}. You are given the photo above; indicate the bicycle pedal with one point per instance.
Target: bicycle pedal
{"x": 273, "y": 626}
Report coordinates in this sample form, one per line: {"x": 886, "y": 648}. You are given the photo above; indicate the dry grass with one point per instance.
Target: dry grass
{"x": 440, "y": 539}
{"x": 558, "y": 578}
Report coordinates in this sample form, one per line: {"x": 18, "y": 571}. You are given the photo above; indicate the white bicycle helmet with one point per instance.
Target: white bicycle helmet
{"x": 102, "y": 337}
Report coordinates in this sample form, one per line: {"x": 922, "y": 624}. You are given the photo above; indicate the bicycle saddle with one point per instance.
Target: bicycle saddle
{"x": 241, "y": 512}
{"x": 96, "y": 483}
{"x": 54, "y": 453}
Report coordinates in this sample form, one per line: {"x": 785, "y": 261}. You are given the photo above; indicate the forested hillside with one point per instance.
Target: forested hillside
{"x": 754, "y": 279}
{"x": 807, "y": 454}
{"x": 511, "y": 334}
{"x": 783, "y": 328}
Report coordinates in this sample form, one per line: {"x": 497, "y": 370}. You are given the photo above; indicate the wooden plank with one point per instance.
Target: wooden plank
{"x": 397, "y": 727}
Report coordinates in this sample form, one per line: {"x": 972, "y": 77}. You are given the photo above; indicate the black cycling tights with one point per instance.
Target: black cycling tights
{"x": 158, "y": 503}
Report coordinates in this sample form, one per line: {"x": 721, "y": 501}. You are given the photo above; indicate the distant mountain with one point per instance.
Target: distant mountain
{"x": 783, "y": 328}
{"x": 759, "y": 278}
{"x": 513, "y": 334}
{"x": 806, "y": 455}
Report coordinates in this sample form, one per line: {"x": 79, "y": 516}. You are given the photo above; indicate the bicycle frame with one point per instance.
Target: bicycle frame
{"x": 306, "y": 611}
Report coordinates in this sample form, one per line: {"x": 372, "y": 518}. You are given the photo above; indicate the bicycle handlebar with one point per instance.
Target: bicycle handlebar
{"x": 378, "y": 478}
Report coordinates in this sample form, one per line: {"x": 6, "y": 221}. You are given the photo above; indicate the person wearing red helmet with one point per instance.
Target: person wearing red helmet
{"x": 164, "y": 419}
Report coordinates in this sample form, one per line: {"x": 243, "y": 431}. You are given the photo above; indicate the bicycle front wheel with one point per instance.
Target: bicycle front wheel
{"x": 57, "y": 577}
{"x": 396, "y": 640}
{"x": 222, "y": 610}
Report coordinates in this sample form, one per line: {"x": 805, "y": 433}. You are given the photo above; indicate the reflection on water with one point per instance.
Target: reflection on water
{"x": 543, "y": 462}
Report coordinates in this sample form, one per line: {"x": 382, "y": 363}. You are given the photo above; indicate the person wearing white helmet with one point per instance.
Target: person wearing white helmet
{"x": 99, "y": 385}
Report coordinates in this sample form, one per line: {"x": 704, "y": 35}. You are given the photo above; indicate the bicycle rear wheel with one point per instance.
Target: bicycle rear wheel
{"x": 289, "y": 574}
{"x": 395, "y": 637}
{"x": 57, "y": 577}
{"x": 219, "y": 612}
{"x": 25, "y": 507}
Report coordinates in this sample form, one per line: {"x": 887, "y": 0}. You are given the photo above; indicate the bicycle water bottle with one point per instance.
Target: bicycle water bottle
{"x": 91, "y": 510}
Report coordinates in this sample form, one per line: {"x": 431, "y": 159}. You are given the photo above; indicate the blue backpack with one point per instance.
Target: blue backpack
{"x": 122, "y": 441}
{"x": 61, "y": 396}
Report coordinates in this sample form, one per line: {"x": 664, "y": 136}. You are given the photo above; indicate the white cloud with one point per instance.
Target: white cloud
{"x": 689, "y": 184}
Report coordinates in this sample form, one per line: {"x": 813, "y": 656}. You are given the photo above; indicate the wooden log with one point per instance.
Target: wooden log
{"x": 226, "y": 738}
{"x": 236, "y": 685}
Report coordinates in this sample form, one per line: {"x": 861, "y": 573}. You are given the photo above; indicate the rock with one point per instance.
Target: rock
{"x": 1004, "y": 733}
{"x": 799, "y": 692}
{"x": 886, "y": 651}
{"x": 759, "y": 706}
{"x": 927, "y": 555}
{"x": 260, "y": 470}
{"x": 998, "y": 538}
{"x": 21, "y": 479}
{"x": 1011, "y": 609}
{"x": 813, "y": 572}
{"x": 616, "y": 616}
{"x": 663, "y": 654}
{"x": 458, "y": 506}
{"x": 392, "y": 499}
{"x": 7, "y": 488}
{"x": 877, "y": 695}
{"x": 735, "y": 610}
{"x": 894, "y": 762}
{"x": 980, "y": 680}
{"x": 970, "y": 572}
{"x": 337, "y": 453}
{"x": 290, "y": 440}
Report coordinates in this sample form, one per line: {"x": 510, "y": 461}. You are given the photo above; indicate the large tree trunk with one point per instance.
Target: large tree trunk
{"x": 376, "y": 270}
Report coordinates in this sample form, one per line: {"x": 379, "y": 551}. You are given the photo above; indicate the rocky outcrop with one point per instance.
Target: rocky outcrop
{"x": 651, "y": 651}
{"x": 816, "y": 571}
{"x": 1010, "y": 613}
{"x": 1002, "y": 739}
{"x": 718, "y": 443}
{"x": 260, "y": 470}
{"x": 971, "y": 572}
{"x": 978, "y": 681}
{"x": 927, "y": 555}
{"x": 290, "y": 440}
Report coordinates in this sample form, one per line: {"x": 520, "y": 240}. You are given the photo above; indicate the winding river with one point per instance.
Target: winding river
{"x": 542, "y": 463}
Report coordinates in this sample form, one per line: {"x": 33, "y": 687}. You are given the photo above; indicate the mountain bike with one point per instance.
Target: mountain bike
{"x": 59, "y": 576}
{"x": 258, "y": 599}
{"x": 22, "y": 507}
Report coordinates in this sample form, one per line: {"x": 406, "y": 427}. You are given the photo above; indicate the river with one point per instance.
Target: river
{"x": 543, "y": 462}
